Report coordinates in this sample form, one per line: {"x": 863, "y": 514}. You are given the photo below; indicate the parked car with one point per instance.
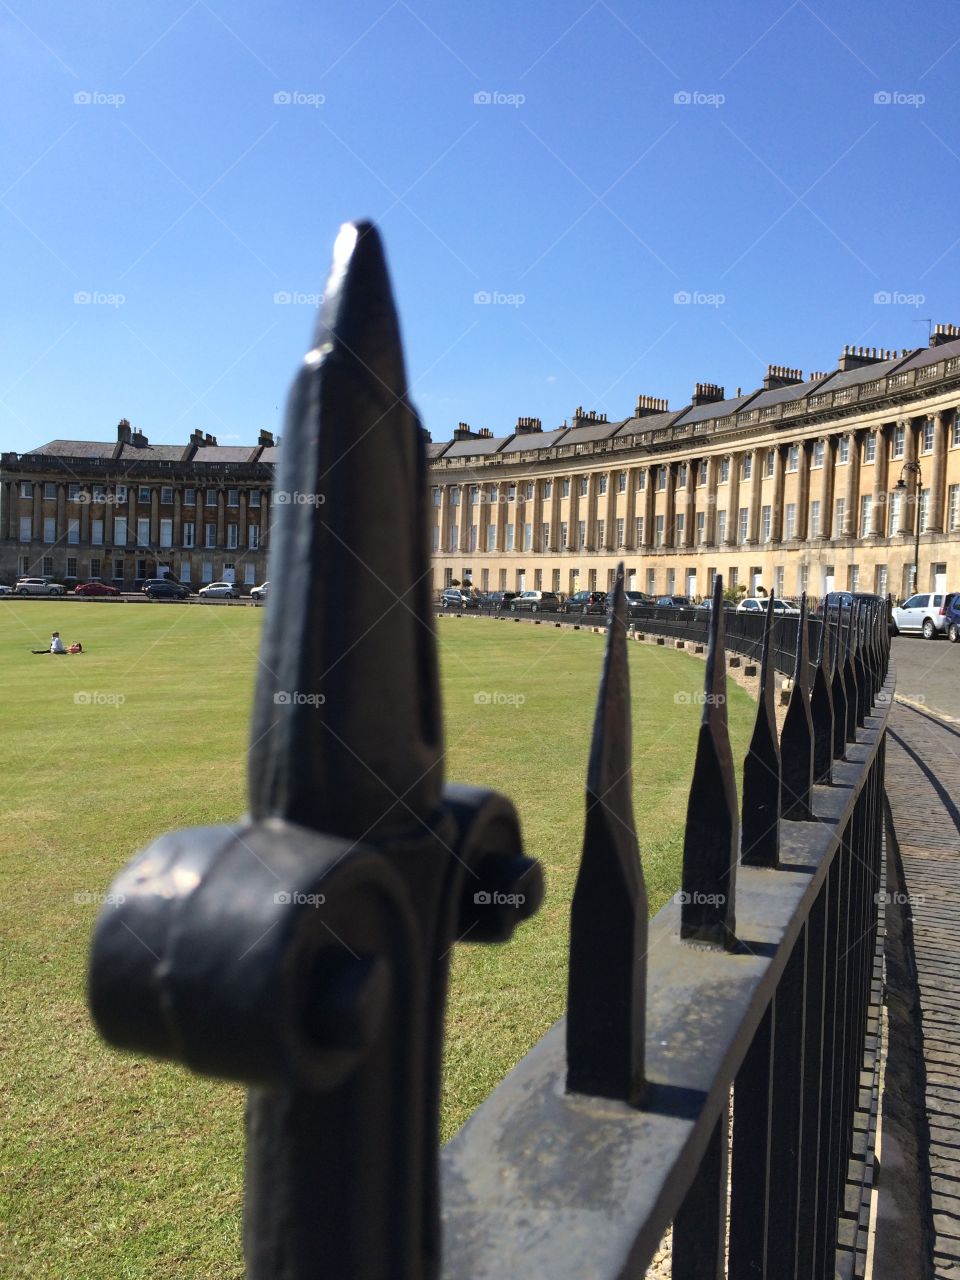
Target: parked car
{"x": 220, "y": 590}
{"x": 5, "y": 590}
{"x": 672, "y": 602}
{"x": 585, "y": 602}
{"x": 39, "y": 587}
{"x": 498, "y": 599}
{"x": 95, "y": 589}
{"x": 454, "y": 598}
{"x": 261, "y": 592}
{"x": 952, "y": 618}
{"x": 535, "y": 602}
{"x": 758, "y": 604}
{"x": 925, "y": 613}
{"x": 634, "y": 602}
{"x": 166, "y": 589}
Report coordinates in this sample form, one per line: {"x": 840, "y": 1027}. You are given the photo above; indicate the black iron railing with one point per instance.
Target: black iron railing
{"x": 304, "y": 951}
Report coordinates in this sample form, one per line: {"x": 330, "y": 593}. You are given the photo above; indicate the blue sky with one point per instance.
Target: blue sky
{"x": 186, "y": 166}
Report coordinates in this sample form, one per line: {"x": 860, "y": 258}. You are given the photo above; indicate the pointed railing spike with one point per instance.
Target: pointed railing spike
{"x": 850, "y": 678}
{"x": 838, "y": 689}
{"x": 350, "y": 599}
{"x": 760, "y": 835}
{"x": 608, "y": 919}
{"x": 821, "y": 710}
{"x": 712, "y": 837}
{"x": 859, "y": 666}
{"x": 796, "y": 741}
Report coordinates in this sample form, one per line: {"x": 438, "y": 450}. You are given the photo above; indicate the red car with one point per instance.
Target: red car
{"x": 95, "y": 589}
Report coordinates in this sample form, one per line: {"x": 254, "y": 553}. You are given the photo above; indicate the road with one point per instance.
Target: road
{"x": 928, "y": 673}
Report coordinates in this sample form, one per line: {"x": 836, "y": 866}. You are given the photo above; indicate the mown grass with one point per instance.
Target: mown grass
{"x": 128, "y": 1169}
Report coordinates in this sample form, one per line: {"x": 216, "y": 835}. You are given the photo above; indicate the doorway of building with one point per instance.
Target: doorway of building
{"x": 939, "y": 577}
{"x": 829, "y": 578}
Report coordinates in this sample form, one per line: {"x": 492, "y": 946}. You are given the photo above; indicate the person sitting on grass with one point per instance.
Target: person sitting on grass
{"x": 56, "y": 645}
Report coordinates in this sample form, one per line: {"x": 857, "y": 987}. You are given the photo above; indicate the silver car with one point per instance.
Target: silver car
{"x": 39, "y": 587}
{"x": 924, "y": 613}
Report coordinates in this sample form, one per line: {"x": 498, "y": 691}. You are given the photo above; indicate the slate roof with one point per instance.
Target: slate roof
{"x": 719, "y": 409}
{"x": 650, "y": 422}
{"x": 853, "y": 377}
{"x": 535, "y": 440}
{"x": 931, "y": 355}
{"x": 484, "y": 445}
{"x": 224, "y": 453}
{"x": 74, "y": 449}
{"x": 783, "y": 395}
{"x": 595, "y": 431}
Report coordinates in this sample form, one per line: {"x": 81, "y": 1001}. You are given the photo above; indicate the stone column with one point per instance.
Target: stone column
{"x": 827, "y": 480}
{"x": 908, "y": 498}
{"x": 573, "y": 512}
{"x": 37, "y": 511}
{"x": 7, "y": 506}
{"x": 713, "y": 472}
{"x": 878, "y": 513}
{"x": 803, "y": 491}
{"x": 756, "y": 494}
{"x": 690, "y": 505}
{"x": 851, "y": 509}
{"x": 503, "y": 508}
{"x": 155, "y": 516}
{"x": 61, "y": 527}
{"x": 733, "y": 501}
{"x": 85, "y": 524}
{"x": 265, "y": 498}
{"x": 555, "y": 501}
{"x": 178, "y": 517}
{"x": 670, "y": 507}
{"x": 131, "y": 516}
{"x": 650, "y": 506}
{"x": 935, "y": 512}
{"x": 444, "y": 519}
{"x": 630, "y": 510}
{"x": 610, "y": 519}
{"x": 591, "y": 514}
{"x": 776, "y": 513}
{"x": 536, "y": 516}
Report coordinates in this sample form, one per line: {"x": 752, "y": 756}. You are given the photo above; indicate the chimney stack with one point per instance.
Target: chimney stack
{"x": 859, "y": 358}
{"x": 779, "y": 375}
{"x": 266, "y": 440}
{"x": 528, "y": 426}
{"x": 943, "y": 333}
{"x": 123, "y": 431}
{"x": 707, "y": 393}
{"x": 138, "y": 439}
{"x": 647, "y": 405}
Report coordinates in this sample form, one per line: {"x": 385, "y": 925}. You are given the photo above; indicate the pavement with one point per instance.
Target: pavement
{"x": 923, "y": 788}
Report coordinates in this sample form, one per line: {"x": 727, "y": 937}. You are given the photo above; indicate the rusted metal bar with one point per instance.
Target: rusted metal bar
{"x": 608, "y": 920}
{"x": 711, "y": 836}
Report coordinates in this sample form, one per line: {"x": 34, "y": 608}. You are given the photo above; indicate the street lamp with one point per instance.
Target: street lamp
{"x": 912, "y": 468}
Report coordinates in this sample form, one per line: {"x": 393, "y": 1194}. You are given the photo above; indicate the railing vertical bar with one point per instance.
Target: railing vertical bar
{"x": 813, "y": 1099}
{"x": 700, "y": 1227}
{"x": 826, "y": 1223}
{"x": 786, "y": 1116}
{"x": 750, "y": 1188}
{"x": 841, "y": 1022}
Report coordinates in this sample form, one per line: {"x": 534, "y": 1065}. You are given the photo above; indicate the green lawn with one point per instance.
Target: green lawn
{"x": 114, "y": 1168}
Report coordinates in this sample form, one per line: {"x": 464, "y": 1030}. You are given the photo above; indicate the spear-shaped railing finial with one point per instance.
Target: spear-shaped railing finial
{"x": 760, "y": 835}
{"x": 838, "y": 688}
{"x": 821, "y": 709}
{"x": 796, "y": 741}
{"x": 608, "y": 921}
{"x": 712, "y": 836}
